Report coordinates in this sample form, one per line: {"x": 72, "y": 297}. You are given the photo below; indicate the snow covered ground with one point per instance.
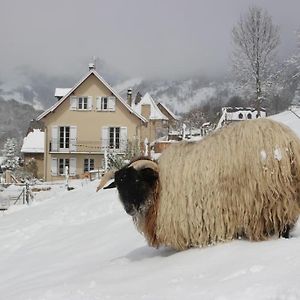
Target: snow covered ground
{"x": 81, "y": 245}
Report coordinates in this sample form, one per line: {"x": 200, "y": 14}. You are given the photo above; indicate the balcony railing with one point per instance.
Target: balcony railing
{"x": 89, "y": 146}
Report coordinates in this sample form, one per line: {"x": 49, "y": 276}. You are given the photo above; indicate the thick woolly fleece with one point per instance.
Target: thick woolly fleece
{"x": 241, "y": 181}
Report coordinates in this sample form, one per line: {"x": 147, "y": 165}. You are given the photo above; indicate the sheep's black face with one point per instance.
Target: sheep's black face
{"x": 135, "y": 188}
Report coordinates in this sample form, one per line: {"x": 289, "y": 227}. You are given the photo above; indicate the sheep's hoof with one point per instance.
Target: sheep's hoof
{"x": 286, "y": 232}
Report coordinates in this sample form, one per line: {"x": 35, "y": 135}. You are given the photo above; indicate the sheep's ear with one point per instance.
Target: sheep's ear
{"x": 110, "y": 186}
{"x": 149, "y": 175}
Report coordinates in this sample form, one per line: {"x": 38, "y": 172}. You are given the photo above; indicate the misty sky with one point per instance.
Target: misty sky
{"x": 148, "y": 38}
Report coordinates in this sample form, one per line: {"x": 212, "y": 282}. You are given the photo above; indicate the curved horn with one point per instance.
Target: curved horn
{"x": 144, "y": 163}
{"x": 105, "y": 178}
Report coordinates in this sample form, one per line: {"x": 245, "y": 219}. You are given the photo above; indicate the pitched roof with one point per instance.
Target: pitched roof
{"x": 34, "y": 142}
{"x": 169, "y": 111}
{"x": 155, "y": 112}
{"x": 92, "y": 71}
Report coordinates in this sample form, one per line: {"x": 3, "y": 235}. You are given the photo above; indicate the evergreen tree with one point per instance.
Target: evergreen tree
{"x": 9, "y": 151}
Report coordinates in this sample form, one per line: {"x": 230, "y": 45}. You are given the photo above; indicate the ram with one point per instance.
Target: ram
{"x": 242, "y": 181}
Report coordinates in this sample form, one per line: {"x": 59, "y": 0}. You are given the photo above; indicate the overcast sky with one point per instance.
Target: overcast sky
{"x": 166, "y": 38}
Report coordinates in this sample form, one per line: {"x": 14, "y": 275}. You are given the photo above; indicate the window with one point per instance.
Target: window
{"x": 58, "y": 166}
{"x": 249, "y": 116}
{"x": 83, "y": 103}
{"x": 62, "y": 164}
{"x": 114, "y": 137}
{"x": 240, "y": 116}
{"x": 88, "y": 165}
{"x": 104, "y": 103}
{"x": 64, "y": 137}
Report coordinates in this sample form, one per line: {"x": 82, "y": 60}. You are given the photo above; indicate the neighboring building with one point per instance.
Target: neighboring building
{"x": 61, "y": 92}
{"x": 87, "y": 120}
{"x": 157, "y": 121}
{"x": 172, "y": 118}
{"x": 233, "y": 114}
{"x": 33, "y": 148}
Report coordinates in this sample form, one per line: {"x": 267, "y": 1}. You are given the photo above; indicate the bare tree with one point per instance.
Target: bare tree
{"x": 255, "y": 38}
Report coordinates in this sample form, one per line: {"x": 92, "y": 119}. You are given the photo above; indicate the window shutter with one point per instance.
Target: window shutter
{"x": 111, "y": 103}
{"x": 72, "y": 170}
{"x": 54, "y": 138}
{"x": 123, "y": 138}
{"x": 90, "y": 103}
{"x": 105, "y": 137}
{"x": 73, "y": 103}
{"x": 98, "y": 103}
{"x": 54, "y": 166}
{"x": 73, "y": 138}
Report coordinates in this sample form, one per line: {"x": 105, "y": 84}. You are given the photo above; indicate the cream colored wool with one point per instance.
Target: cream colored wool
{"x": 241, "y": 181}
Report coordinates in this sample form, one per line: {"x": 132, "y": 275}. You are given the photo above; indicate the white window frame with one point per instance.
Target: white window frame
{"x": 114, "y": 138}
{"x": 62, "y": 164}
{"x": 109, "y": 138}
{"x": 64, "y": 138}
{"x": 82, "y": 103}
{"x": 104, "y": 104}
{"x": 88, "y": 164}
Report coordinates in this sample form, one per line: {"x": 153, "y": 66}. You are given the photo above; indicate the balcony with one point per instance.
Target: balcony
{"x": 96, "y": 147}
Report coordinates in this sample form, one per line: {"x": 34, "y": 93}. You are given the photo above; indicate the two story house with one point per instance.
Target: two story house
{"x": 86, "y": 121}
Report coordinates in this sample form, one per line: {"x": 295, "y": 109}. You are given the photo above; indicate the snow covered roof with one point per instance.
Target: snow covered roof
{"x": 289, "y": 117}
{"x": 230, "y": 114}
{"x": 60, "y": 92}
{"x": 235, "y": 109}
{"x": 155, "y": 112}
{"x": 169, "y": 111}
{"x": 92, "y": 71}
{"x": 34, "y": 142}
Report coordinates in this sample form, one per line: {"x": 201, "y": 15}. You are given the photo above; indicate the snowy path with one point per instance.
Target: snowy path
{"x": 81, "y": 245}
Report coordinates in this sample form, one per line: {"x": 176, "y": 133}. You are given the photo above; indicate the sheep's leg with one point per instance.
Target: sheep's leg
{"x": 286, "y": 232}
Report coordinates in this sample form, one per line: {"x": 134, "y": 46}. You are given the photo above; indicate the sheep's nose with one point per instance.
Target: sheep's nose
{"x": 129, "y": 210}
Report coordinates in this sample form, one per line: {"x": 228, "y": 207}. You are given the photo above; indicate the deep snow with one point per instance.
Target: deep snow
{"x": 81, "y": 245}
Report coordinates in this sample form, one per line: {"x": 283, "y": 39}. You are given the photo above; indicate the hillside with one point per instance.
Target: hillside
{"x": 81, "y": 245}
{"x": 14, "y": 119}
{"x": 180, "y": 95}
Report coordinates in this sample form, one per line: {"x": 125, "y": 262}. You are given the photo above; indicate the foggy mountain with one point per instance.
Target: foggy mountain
{"x": 33, "y": 92}
{"x": 37, "y": 89}
{"x": 180, "y": 95}
{"x": 14, "y": 120}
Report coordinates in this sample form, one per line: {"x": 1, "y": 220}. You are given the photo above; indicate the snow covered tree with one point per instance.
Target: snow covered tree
{"x": 9, "y": 151}
{"x": 255, "y": 38}
{"x": 293, "y": 63}
{"x": 117, "y": 160}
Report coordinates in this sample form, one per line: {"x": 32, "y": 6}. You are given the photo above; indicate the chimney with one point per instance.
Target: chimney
{"x": 129, "y": 97}
{"x": 91, "y": 66}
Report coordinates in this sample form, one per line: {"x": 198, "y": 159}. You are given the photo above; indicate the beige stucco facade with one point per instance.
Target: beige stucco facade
{"x": 89, "y": 126}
